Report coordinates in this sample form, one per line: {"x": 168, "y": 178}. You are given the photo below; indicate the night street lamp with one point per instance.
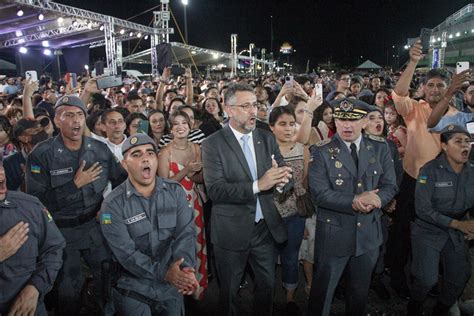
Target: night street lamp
{"x": 185, "y": 4}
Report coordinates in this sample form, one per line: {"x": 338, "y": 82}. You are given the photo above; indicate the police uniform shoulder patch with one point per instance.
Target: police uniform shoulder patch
{"x": 377, "y": 138}
{"x": 106, "y": 219}
{"x": 323, "y": 142}
{"x": 48, "y": 214}
{"x": 422, "y": 179}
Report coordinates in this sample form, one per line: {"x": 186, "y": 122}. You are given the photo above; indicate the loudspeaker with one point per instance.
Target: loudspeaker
{"x": 164, "y": 55}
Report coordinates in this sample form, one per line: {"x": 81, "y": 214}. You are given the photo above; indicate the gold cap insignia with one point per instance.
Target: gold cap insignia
{"x": 134, "y": 140}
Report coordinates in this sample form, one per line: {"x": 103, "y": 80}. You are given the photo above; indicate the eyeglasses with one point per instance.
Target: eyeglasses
{"x": 247, "y": 106}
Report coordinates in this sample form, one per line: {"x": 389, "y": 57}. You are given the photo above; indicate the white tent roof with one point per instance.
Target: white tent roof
{"x": 368, "y": 64}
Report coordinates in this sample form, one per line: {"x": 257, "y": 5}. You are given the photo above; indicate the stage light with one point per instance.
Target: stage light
{"x": 21, "y": 40}
{"x": 86, "y": 67}
{"x": 41, "y": 17}
{"x": 406, "y": 47}
{"x": 458, "y": 34}
{"x": 45, "y": 43}
{"x": 20, "y": 12}
{"x": 439, "y": 39}
{"x": 101, "y": 28}
{"x": 23, "y": 50}
{"x": 193, "y": 52}
{"x": 215, "y": 55}
{"x": 131, "y": 34}
{"x": 450, "y": 36}
{"x": 122, "y": 31}
{"x": 47, "y": 52}
{"x": 60, "y": 20}
{"x": 75, "y": 23}
{"x": 139, "y": 34}
{"x": 433, "y": 40}
{"x": 89, "y": 25}
{"x": 18, "y": 33}
{"x": 146, "y": 37}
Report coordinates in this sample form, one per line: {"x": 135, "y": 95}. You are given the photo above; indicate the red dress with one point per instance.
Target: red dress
{"x": 196, "y": 203}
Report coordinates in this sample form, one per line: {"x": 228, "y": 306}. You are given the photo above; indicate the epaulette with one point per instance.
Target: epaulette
{"x": 18, "y": 195}
{"x": 43, "y": 146}
{"x": 377, "y": 138}
{"x": 323, "y": 142}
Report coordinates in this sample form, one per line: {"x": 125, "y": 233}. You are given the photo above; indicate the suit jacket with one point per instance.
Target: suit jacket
{"x": 334, "y": 180}
{"x": 229, "y": 185}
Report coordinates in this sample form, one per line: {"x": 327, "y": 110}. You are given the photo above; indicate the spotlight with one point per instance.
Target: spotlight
{"x": 450, "y": 36}
{"x": 21, "y": 40}
{"x": 41, "y": 17}
{"x": 75, "y": 23}
{"x": 139, "y": 34}
{"x": 20, "y": 12}
{"x": 433, "y": 40}
{"x": 406, "y": 47}
{"x": 86, "y": 67}
{"x": 47, "y": 52}
{"x": 439, "y": 39}
{"x": 458, "y": 34}
{"x": 101, "y": 28}
{"x": 45, "y": 43}
{"x": 215, "y": 55}
{"x": 60, "y": 20}
{"x": 131, "y": 34}
{"x": 18, "y": 33}
{"x": 146, "y": 37}
{"x": 472, "y": 31}
{"x": 193, "y": 52}
{"x": 89, "y": 25}
{"x": 23, "y": 50}
{"x": 122, "y": 31}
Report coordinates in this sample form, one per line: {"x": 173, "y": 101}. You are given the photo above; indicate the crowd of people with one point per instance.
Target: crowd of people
{"x": 126, "y": 200}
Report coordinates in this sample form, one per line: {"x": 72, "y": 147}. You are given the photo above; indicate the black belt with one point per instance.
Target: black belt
{"x": 76, "y": 221}
{"x": 136, "y": 296}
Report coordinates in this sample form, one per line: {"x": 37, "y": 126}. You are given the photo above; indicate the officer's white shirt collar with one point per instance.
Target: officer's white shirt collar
{"x": 357, "y": 142}
{"x": 116, "y": 149}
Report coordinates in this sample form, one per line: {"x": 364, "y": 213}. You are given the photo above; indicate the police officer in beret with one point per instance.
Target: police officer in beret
{"x": 149, "y": 226}
{"x": 350, "y": 178}
{"x": 69, "y": 173}
{"x": 31, "y": 248}
{"x": 441, "y": 230}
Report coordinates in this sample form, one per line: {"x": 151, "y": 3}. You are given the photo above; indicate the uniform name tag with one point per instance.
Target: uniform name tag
{"x": 135, "y": 218}
{"x": 443, "y": 184}
{"x": 61, "y": 171}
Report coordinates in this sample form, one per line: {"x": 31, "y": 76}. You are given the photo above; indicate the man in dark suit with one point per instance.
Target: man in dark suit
{"x": 242, "y": 165}
{"x": 351, "y": 178}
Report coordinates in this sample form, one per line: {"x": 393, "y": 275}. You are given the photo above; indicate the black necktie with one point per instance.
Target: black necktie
{"x": 354, "y": 154}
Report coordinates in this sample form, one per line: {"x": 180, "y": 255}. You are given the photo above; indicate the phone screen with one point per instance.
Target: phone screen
{"x": 318, "y": 89}
{"x": 143, "y": 126}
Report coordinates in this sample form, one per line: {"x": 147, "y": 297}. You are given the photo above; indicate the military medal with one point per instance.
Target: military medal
{"x": 339, "y": 181}
{"x": 338, "y": 164}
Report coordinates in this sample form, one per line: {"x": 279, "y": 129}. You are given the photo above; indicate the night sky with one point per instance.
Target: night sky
{"x": 339, "y": 31}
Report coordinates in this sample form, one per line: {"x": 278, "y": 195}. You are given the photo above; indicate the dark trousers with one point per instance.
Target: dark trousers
{"x": 327, "y": 273}
{"x": 425, "y": 270}
{"x": 399, "y": 245}
{"x": 85, "y": 246}
{"x": 261, "y": 255}
{"x": 127, "y": 306}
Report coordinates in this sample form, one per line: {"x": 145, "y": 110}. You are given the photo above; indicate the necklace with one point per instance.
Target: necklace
{"x": 179, "y": 148}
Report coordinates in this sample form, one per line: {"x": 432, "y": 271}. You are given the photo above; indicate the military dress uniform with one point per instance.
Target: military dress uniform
{"x": 50, "y": 172}
{"x": 38, "y": 260}
{"x": 345, "y": 237}
{"x": 442, "y": 195}
{"x": 146, "y": 235}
